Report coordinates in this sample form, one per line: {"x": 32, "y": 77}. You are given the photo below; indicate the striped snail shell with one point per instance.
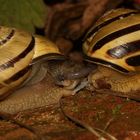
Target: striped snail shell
{"x": 114, "y": 41}
{"x": 19, "y": 51}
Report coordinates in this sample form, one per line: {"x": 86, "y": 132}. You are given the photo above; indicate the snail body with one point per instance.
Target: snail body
{"x": 113, "y": 44}
{"x": 43, "y": 93}
{"x": 55, "y": 84}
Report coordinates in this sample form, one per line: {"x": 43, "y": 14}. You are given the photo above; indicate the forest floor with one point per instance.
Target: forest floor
{"x": 119, "y": 117}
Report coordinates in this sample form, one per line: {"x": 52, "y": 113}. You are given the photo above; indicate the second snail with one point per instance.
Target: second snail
{"x": 113, "y": 43}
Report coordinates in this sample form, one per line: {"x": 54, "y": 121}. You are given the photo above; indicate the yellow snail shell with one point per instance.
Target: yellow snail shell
{"x": 19, "y": 50}
{"x": 113, "y": 43}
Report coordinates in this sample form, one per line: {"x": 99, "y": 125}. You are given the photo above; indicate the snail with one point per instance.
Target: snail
{"x": 33, "y": 72}
{"x": 113, "y": 44}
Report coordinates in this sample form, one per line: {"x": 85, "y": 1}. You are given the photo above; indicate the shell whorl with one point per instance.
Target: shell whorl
{"x": 114, "y": 40}
{"x": 18, "y": 49}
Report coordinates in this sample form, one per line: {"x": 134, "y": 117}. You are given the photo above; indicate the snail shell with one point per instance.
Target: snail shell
{"x": 19, "y": 51}
{"x": 114, "y": 43}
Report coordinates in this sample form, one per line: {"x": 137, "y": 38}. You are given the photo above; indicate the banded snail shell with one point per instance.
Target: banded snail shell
{"x": 114, "y": 44}
{"x": 114, "y": 41}
{"x": 19, "y": 50}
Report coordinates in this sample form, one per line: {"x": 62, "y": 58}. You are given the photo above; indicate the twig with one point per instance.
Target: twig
{"x": 108, "y": 123}
{"x": 104, "y": 132}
